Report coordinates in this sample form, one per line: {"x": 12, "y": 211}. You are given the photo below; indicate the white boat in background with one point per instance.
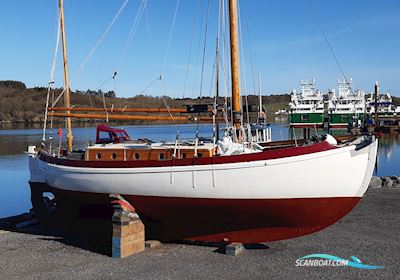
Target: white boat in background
{"x": 306, "y": 109}
{"x": 346, "y": 108}
{"x": 281, "y": 112}
{"x": 384, "y": 104}
{"x": 234, "y": 190}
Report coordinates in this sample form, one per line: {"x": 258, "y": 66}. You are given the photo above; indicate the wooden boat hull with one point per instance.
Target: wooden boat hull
{"x": 214, "y": 220}
{"x": 243, "y": 220}
{"x": 258, "y": 200}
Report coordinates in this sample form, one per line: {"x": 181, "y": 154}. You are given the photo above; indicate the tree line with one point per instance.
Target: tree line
{"x": 22, "y": 104}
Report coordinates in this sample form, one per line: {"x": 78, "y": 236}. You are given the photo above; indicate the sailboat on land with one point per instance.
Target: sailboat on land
{"x": 232, "y": 190}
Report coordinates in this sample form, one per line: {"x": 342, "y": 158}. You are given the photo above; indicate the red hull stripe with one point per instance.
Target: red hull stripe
{"x": 265, "y": 155}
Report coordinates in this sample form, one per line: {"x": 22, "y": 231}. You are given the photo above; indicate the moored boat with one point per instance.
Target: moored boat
{"x": 384, "y": 105}
{"x": 346, "y": 108}
{"x": 281, "y": 112}
{"x": 306, "y": 107}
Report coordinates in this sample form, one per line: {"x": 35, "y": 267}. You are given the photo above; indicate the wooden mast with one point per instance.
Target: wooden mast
{"x": 66, "y": 81}
{"x": 233, "y": 20}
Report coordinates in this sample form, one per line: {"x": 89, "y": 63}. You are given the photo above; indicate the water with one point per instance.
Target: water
{"x": 14, "y": 172}
{"x": 14, "y": 188}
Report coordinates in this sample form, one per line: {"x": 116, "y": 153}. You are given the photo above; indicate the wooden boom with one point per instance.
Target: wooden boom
{"x": 120, "y": 110}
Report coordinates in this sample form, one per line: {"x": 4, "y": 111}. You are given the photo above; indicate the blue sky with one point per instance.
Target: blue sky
{"x": 286, "y": 44}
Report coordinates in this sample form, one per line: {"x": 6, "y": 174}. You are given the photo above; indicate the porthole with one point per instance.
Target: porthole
{"x": 137, "y": 156}
{"x": 161, "y": 156}
{"x": 199, "y": 155}
{"x": 98, "y": 156}
{"x": 114, "y": 156}
{"x": 183, "y": 155}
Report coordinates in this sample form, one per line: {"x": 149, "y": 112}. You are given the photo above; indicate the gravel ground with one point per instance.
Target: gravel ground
{"x": 370, "y": 232}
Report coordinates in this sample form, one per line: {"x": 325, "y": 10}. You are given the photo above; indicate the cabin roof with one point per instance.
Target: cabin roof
{"x": 154, "y": 146}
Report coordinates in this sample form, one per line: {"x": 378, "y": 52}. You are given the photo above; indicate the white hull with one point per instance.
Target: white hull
{"x": 341, "y": 172}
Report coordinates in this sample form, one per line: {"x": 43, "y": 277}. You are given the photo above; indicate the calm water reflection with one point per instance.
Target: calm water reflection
{"x": 14, "y": 188}
{"x": 389, "y": 155}
{"x": 14, "y": 173}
